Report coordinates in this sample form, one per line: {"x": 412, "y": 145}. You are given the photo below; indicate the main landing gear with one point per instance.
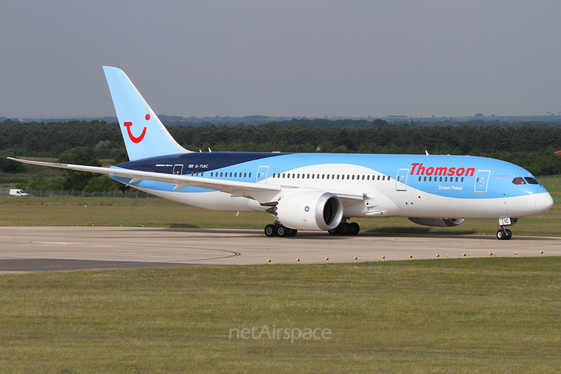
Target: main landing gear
{"x": 345, "y": 228}
{"x": 277, "y": 229}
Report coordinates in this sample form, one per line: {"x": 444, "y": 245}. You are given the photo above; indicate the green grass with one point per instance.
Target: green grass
{"x": 77, "y": 200}
{"x": 101, "y": 212}
{"x": 465, "y": 316}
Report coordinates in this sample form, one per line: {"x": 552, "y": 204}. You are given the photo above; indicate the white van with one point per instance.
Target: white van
{"x": 17, "y": 192}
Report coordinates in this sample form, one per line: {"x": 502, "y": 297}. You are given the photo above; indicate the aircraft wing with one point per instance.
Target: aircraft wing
{"x": 261, "y": 192}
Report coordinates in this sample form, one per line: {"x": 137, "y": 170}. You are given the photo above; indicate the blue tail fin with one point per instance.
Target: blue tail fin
{"x": 144, "y": 134}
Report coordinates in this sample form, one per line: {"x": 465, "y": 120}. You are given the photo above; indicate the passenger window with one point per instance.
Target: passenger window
{"x": 236, "y": 174}
{"x": 383, "y": 177}
{"x": 323, "y": 176}
{"x": 430, "y": 179}
{"x": 440, "y": 179}
{"x": 327, "y": 176}
{"x": 425, "y": 179}
{"x": 244, "y": 174}
{"x": 312, "y": 176}
{"x": 457, "y": 179}
{"x": 230, "y": 174}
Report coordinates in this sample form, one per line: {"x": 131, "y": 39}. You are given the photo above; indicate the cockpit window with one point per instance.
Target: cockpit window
{"x": 525, "y": 180}
{"x": 531, "y": 180}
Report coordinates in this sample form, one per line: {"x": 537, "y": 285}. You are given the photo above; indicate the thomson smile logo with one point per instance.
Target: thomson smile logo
{"x": 131, "y": 136}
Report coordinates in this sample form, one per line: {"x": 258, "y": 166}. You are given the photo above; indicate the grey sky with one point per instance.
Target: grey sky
{"x": 283, "y": 58}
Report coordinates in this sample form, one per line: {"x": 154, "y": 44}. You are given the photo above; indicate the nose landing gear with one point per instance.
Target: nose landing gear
{"x": 504, "y": 234}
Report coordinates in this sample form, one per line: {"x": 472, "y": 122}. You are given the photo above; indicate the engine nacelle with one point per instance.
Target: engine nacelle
{"x": 312, "y": 210}
{"x": 438, "y": 222}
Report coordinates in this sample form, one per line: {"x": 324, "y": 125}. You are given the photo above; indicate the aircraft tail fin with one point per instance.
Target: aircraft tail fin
{"x": 143, "y": 132}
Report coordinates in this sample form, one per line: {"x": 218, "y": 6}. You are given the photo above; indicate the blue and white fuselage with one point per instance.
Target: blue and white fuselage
{"x": 383, "y": 185}
{"x": 315, "y": 191}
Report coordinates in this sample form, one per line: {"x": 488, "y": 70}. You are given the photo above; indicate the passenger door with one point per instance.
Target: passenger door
{"x": 482, "y": 181}
{"x": 401, "y": 180}
{"x": 262, "y": 173}
{"x": 178, "y": 169}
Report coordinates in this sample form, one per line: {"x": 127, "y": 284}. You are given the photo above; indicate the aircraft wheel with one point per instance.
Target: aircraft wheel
{"x": 334, "y": 231}
{"x": 292, "y": 232}
{"x": 282, "y": 231}
{"x": 344, "y": 228}
{"x": 354, "y": 228}
{"x": 501, "y": 234}
{"x": 270, "y": 231}
{"x": 508, "y": 234}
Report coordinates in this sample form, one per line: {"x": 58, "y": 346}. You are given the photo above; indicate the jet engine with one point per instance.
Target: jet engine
{"x": 312, "y": 210}
{"x": 438, "y": 222}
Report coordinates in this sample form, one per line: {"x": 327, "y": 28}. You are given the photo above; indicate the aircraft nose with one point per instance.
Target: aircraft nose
{"x": 543, "y": 202}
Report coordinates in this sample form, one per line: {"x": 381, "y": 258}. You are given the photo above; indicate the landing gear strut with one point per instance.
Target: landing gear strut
{"x": 277, "y": 229}
{"x": 345, "y": 228}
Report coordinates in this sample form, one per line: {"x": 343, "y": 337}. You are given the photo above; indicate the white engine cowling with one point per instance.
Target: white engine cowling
{"x": 438, "y": 222}
{"x": 312, "y": 210}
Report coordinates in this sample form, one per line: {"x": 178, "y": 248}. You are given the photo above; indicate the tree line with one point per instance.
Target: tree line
{"x": 531, "y": 147}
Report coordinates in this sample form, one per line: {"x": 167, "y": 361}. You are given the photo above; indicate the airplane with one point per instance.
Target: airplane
{"x": 315, "y": 191}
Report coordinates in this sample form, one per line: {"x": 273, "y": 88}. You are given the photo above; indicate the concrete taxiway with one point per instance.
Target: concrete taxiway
{"x": 74, "y": 248}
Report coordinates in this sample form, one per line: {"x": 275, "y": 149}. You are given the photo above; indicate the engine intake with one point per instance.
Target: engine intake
{"x": 312, "y": 210}
{"x": 437, "y": 222}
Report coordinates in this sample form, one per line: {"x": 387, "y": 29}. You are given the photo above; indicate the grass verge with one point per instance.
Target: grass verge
{"x": 465, "y": 316}
{"x": 177, "y": 215}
